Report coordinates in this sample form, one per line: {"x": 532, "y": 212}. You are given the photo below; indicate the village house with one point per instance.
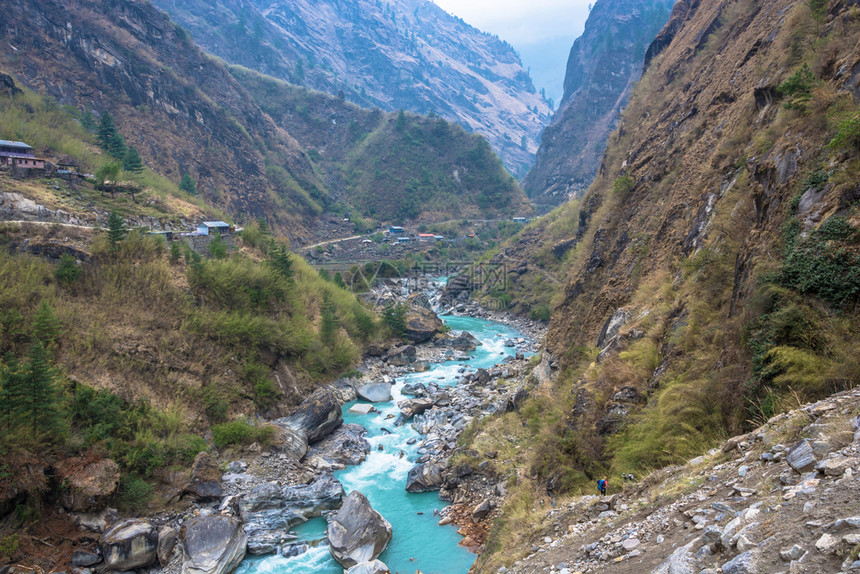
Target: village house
{"x": 213, "y": 227}
{"x": 19, "y": 154}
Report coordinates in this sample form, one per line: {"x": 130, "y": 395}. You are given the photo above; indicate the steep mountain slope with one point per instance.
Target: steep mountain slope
{"x": 396, "y": 54}
{"x": 603, "y": 66}
{"x": 710, "y": 277}
{"x": 392, "y": 167}
{"x": 181, "y": 109}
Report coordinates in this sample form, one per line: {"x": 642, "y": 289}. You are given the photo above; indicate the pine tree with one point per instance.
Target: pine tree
{"x": 116, "y": 147}
{"x": 281, "y": 260}
{"x": 131, "y": 162}
{"x": 29, "y": 395}
{"x": 11, "y": 383}
{"x": 106, "y": 131}
{"x": 46, "y": 325}
{"x": 188, "y": 185}
{"x": 116, "y": 230}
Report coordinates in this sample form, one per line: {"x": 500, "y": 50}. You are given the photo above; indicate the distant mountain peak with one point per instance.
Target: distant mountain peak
{"x": 391, "y": 54}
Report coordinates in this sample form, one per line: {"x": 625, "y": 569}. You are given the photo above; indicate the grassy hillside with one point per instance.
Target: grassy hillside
{"x": 145, "y": 347}
{"x": 391, "y": 166}
{"x": 721, "y": 233}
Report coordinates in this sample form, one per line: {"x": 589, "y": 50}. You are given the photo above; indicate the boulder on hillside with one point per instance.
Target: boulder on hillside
{"x": 421, "y": 324}
{"x": 373, "y": 567}
{"x": 801, "y": 457}
{"x": 419, "y": 300}
{"x": 129, "y": 544}
{"x": 317, "y": 416}
{"x": 205, "y": 483}
{"x": 166, "y": 543}
{"x": 357, "y": 533}
{"x": 402, "y": 356}
{"x": 374, "y": 392}
{"x": 213, "y": 544}
{"x": 87, "y": 484}
{"x": 424, "y": 477}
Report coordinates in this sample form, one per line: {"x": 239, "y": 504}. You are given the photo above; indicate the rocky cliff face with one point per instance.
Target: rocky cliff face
{"x": 711, "y": 273}
{"x": 604, "y": 65}
{"x": 394, "y": 54}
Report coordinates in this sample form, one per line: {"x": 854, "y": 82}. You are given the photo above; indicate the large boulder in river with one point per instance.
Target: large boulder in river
{"x": 357, "y": 533}
{"x": 374, "y": 392}
{"x": 87, "y": 484}
{"x": 129, "y": 544}
{"x": 344, "y": 447}
{"x": 269, "y": 511}
{"x": 412, "y": 407}
{"x": 424, "y": 477}
{"x": 465, "y": 341}
{"x": 317, "y": 416}
{"x": 374, "y": 567}
{"x": 213, "y": 544}
{"x": 421, "y": 324}
{"x": 205, "y": 483}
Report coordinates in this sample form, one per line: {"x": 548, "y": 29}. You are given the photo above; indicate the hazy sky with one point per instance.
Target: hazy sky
{"x": 522, "y": 22}
{"x": 542, "y": 31}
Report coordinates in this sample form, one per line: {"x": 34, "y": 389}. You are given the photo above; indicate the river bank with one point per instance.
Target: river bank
{"x": 437, "y": 388}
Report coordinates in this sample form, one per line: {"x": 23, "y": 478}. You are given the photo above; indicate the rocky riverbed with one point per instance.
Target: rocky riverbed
{"x": 247, "y": 501}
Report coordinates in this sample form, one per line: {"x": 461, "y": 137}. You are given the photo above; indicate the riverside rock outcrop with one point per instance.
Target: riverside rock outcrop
{"x": 213, "y": 544}
{"x": 316, "y": 417}
{"x": 87, "y": 485}
{"x": 356, "y": 532}
{"x": 129, "y": 544}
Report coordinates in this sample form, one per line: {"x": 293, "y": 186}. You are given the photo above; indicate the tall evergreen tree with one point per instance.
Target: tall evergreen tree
{"x": 280, "y": 259}
{"x": 46, "y": 325}
{"x": 116, "y": 147}
{"x": 30, "y": 395}
{"x": 116, "y": 230}
{"x": 131, "y": 162}
{"x": 106, "y": 131}
{"x": 187, "y": 184}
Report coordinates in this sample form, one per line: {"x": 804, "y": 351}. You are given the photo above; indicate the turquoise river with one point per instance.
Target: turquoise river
{"x": 419, "y": 543}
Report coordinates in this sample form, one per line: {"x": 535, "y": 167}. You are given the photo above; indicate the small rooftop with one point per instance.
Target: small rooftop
{"x": 215, "y": 224}
{"x": 10, "y": 143}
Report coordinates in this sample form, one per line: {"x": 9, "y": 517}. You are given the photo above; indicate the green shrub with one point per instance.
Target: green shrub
{"x": 798, "y": 87}
{"x": 623, "y": 185}
{"x": 394, "y": 317}
{"x": 9, "y": 546}
{"x": 67, "y": 272}
{"x": 133, "y": 493}
{"x": 240, "y": 432}
{"x": 847, "y": 134}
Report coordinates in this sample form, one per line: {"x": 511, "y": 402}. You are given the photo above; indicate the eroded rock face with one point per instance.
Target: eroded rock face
{"x": 357, "y": 533}
{"x": 269, "y": 511}
{"x": 87, "y": 486}
{"x": 344, "y": 447}
{"x": 129, "y": 544}
{"x": 317, "y": 416}
{"x": 402, "y": 356}
{"x": 213, "y": 544}
{"x": 205, "y": 481}
{"x": 424, "y": 477}
{"x": 421, "y": 324}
